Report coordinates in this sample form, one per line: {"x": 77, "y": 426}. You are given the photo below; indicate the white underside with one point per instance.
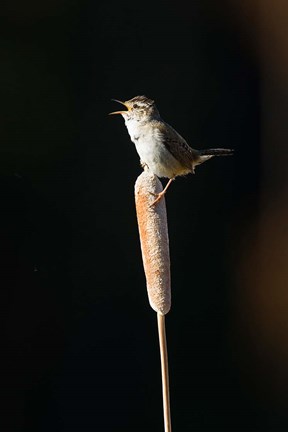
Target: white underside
{"x": 152, "y": 151}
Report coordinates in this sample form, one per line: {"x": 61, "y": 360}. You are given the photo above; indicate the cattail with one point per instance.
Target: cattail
{"x": 153, "y": 231}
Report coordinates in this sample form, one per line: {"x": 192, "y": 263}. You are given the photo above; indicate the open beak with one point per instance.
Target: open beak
{"x": 122, "y": 103}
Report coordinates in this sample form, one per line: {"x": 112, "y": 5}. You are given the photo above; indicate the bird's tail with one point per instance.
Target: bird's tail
{"x": 216, "y": 152}
{"x": 206, "y": 154}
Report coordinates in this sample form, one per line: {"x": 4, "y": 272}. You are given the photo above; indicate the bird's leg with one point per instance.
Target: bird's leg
{"x": 161, "y": 194}
{"x": 143, "y": 165}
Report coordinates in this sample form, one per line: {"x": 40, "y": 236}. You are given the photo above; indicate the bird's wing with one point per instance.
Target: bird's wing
{"x": 177, "y": 145}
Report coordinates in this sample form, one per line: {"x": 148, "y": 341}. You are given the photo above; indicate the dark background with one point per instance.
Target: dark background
{"x": 79, "y": 340}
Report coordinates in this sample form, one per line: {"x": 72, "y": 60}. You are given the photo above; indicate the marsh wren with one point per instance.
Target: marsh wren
{"x": 161, "y": 149}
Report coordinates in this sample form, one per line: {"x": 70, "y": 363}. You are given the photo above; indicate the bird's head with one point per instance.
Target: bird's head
{"x": 139, "y": 108}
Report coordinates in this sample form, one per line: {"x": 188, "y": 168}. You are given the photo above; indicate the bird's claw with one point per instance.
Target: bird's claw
{"x": 158, "y": 196}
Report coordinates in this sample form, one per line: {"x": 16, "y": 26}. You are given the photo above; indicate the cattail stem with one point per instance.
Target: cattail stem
{"x": 164, "y": 372}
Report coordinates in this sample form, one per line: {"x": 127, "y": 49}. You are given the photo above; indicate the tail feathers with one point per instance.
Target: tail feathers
{"x": 216, "y": 152}
{"x": 207, "y": 154}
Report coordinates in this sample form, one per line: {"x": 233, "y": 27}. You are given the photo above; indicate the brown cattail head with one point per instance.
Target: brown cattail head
{"x": 154, "y": 240}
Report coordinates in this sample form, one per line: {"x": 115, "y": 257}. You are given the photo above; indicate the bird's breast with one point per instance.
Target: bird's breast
{"x": 152, "y": 150}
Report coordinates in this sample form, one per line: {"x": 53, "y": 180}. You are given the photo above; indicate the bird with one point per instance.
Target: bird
{"x": 162, "y": 150}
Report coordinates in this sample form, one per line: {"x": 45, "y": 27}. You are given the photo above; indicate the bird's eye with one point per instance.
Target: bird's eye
{"x": 135, "y": 106}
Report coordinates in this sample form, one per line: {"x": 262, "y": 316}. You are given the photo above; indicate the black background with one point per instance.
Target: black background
{"x": 79, "y": 339}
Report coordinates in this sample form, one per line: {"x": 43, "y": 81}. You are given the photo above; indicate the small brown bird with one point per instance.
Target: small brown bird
{"x": 161, "y": 149}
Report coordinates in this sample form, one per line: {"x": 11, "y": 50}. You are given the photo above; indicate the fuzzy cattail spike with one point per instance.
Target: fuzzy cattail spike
{"x": 153, "y": 231}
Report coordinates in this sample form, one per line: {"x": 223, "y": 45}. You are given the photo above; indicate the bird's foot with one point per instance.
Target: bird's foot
{"x": 144, "y": 165}
{"x": 161, "y": 194}
{"x": 158, "y": 196}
